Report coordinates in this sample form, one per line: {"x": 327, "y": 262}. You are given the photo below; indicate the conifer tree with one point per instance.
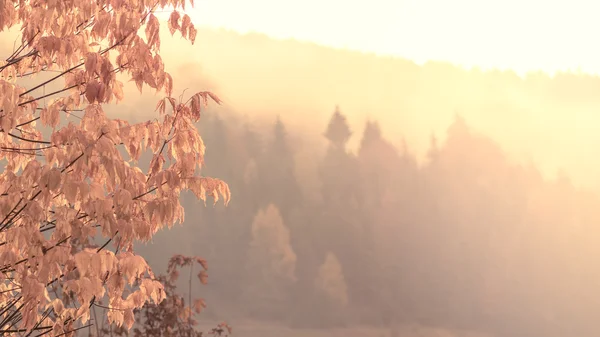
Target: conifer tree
{"x": 338, "y": 132}
{"x": 278, "y": 179}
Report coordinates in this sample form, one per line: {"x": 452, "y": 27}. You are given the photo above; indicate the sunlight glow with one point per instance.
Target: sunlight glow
{"x": 522, "y": 35}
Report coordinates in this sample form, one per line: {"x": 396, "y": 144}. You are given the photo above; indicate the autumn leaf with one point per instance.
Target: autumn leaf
{"x": 202, "y": 262}
{"x": 174, "y": 22}
{"x": 203, "y": 277}
{"x": 199, "y": 305}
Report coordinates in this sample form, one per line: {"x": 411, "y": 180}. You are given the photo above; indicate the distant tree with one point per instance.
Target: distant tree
{"x": 253, "y": 142}
{"x": 219, "y": 153}
{"x": 338, "y": 169}
{"x": 344, "y": 228}
{"x": 378, "y": 160}
{"x": 433, "y": 151}
{"x": 62, "y": 193}
{"x": 371, "y": 134}
{"x": 277, "y": 172}
{"x": 253, "y": 147}
{"x": 279, "y": 143}
{"x": 327, "y": 305}
{"x": 331, "y": 282}
{"x": 271, "y": 263}
{"x": 338, "y": 132}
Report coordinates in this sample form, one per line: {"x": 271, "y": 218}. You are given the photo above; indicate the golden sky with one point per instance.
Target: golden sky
{"x": 519, "y": 34}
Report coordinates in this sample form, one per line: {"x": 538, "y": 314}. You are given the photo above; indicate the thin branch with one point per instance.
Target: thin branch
{"x": 26, "y": 149}
{"x": 76, "y": 329}
{"x": 7, "y": 268}
{"x": 82, "y": 63}
{"x": 43, "y": 333}
{"x": 24, "y": 330}
{"x": 9, "y": 290}
{"x": 108, "y": 308}
{"x": 29, "y": 140}
{"x": 28, "y": 122}
{"x": 44, "y": 316}
{"x": 9, "y": 305}
{"x": 21, "y": 48}
{"x": 149, "y": 191}
{"x": 18, "y": 59}
{"x": 48, "y": 95}
{"x": 107, "y": 242}
{"x": 13, "y": 315}
{"x": 19, "y": 211}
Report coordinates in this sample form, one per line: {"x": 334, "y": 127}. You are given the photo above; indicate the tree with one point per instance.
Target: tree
{"x": 377, "y": 159}
{"x": 271, "y": 264}
{"x": 278, "y": 178}
{"x": 383, "y": 169}
{"x": 433, "y": 151}
{"x": 330, "y": 281}
{"x": 338, "y": 132}
{"x": 342, "y": 222}
{"x": 173, "y": 316}
{"x": 61, "y": 193}
{"x": 338, "y": 187}
{"x": 326, "y": 306}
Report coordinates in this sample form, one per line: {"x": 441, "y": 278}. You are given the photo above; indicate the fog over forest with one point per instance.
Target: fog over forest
{"x": 458, "y": 200}
{"x": 548, "y": 121}
{"x": 372, "y": 196}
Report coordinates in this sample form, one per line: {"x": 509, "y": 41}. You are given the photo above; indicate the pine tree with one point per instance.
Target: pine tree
{"x": 339, "y": 168}
{"x": 371, "y": 135}
{"x": 433, "y": 151}
{"x": 338, "y": 132}
{"x": 252, "y": 141}
{"x": 343, "y": 223}
{"x": 380, "y": 165}
{"x": 378, "y": 160}
{"x": 278, "y": 179}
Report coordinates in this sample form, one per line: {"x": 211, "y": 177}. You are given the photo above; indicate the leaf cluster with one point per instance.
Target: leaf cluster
{"x": 61, "y": 193}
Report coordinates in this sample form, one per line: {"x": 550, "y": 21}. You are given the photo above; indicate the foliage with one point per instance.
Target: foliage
{"x": 173, "y": 316}
{"x": 331, "y": 282}
{"x": 271, "y": 263}
{"x": 271, "y": 244}
{"x": 61, "y": 193}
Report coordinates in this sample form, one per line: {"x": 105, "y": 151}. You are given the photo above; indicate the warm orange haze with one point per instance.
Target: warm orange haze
{"x": 374, "y": 192}
{"x": 536, "y": 118}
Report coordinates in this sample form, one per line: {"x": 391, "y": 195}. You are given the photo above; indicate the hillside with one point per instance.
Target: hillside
{"x": 259, "y": 76}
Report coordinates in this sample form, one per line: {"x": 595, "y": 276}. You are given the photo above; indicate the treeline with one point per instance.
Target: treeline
{"x": 324, "y": 237}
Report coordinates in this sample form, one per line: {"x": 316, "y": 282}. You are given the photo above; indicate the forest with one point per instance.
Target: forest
{"x": 323, "y": 238}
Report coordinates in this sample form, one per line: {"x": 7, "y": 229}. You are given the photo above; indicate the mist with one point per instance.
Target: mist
{"x": 373, "y": 196}
{"x": 436, "y": 200}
